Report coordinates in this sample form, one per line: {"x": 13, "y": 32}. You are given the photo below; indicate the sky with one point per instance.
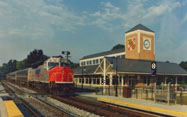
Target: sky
{"x": 85, "y": 27}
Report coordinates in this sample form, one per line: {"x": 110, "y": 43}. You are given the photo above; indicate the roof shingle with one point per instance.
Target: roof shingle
{"x": 139, "y": 27}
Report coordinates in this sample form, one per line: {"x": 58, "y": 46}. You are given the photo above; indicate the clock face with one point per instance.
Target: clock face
{"x": 147, "y": 44}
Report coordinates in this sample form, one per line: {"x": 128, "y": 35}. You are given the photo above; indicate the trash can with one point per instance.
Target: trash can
{"x": 127, "y": 92}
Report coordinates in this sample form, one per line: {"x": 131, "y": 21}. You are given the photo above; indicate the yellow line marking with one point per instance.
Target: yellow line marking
{"x": 149, "y": 108}
{"x": 12, "y": 109}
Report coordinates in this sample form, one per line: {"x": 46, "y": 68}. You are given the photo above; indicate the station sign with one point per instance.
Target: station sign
{"x": 154, "y": 68}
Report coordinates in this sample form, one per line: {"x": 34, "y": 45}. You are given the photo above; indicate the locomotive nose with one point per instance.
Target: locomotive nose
{"x": 61, "y": 74}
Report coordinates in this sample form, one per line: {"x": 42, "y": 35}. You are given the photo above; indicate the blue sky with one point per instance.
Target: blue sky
{"x": 89, "y": 26}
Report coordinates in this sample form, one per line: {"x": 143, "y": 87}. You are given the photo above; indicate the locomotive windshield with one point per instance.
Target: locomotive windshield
{"x": 53, "y": 64}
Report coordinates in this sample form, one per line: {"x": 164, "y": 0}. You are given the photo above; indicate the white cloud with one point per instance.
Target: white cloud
{"x": 29, "y": 24}
{"x": 135, "y": 13}
{"x": 104, "y": 17}
{"x": 27, "y": 15}
{"x": 185, "y": 18}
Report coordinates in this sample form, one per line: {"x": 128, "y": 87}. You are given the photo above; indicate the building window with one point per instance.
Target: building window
{"x": 90, "y": 80}
{"x": 86, "y": 80}
{"x": 87, "y": 62}
{"x": 83, "y": 80}
{"x": 93, "y": 62}
{"x": 122, "y": 56}
{"x": 94, "y": 81}
{"x": 98, "y": 80}
{"x": 96, "y": 61}
{"x": 82, "y": 63}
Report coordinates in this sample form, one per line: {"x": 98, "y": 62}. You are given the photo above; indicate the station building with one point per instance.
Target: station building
{"x": 130, "y": 66}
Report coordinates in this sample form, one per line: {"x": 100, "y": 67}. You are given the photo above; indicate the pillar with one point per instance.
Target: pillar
{"x": 146, "y": 81}
{"x": 100, "y": 81}
{"x": 122, "y": 80}
{"x": 165, "y": 82}
{"x": 111, "y": 76}
{"x": 104, "y": 71}
{"x": 176, "y": 83}
{"x": 91, "y": 80}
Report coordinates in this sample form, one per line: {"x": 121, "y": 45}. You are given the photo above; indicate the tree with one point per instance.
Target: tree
{"x": 183, "y": 64}
{"x": 118, "y": 46}
{"x": 34, "y": 57}
{"x": 20, "y": 64}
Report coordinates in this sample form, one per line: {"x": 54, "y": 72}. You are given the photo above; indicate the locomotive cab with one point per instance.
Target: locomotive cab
{"x": 56, "y": 61}
{"x": 59, "y": 70}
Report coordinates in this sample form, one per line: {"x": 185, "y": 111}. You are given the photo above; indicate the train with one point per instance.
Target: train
{"x": 53, "y": 75}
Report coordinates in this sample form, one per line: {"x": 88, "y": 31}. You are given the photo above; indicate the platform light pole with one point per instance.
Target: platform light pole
{"x": 67, "y": 54}
{"x": 116, "y": 78}
{"x": 83, "y": 70}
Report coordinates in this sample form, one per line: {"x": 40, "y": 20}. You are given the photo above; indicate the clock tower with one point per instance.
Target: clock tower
{"x": 139, "y": 43}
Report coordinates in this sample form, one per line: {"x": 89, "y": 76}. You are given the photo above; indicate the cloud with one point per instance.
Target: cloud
{"x": 185, "y": 18}
{"x": 25, "y": 17}
{"x": 29, "y": 24}
{"x": 103, "y": 18}
{"x": 135, "y": 13}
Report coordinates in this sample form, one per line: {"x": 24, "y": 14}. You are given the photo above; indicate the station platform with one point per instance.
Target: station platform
{"x": 12, "y": 109}
{"x": 7, "y": 107}
{"x": 140, "y": 104}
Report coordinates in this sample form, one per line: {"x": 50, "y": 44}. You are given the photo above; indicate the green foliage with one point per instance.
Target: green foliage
{"x": 34, "y": 57}
{"x": 20, "y": 65}
{"x": 183, "y": 64}
{"x": 8, "y": 67}
{"x": 13, "y": 65}
{"x": 118, "y": 46}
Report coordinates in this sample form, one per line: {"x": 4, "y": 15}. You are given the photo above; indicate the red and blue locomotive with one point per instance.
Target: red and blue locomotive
{"x": 54, "y": 75}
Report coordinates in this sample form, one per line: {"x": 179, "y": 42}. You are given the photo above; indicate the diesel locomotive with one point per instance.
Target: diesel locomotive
{"x": 54, "y": 75}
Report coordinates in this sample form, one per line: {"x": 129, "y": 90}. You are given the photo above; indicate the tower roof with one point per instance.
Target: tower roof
{"x": 140, "y": 27}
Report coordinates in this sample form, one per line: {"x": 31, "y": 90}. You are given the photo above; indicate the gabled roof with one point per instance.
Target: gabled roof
{"x": 131, "y": 66}
{"x": 88, "y": 69}
{"x": 144, "y": 66}
{"x": 104, "y": 53}
{"x": 140, "y": 27}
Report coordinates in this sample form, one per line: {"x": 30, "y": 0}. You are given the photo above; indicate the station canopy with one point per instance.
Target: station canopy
{"x": 131, "y": 66}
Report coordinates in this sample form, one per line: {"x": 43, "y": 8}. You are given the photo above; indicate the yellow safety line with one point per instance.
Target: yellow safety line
{"x": 12, "y": 109}
{"x": 140, "y": 106}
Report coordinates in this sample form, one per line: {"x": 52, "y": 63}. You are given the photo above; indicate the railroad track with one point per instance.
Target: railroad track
{"x": 102, "y": 109}
{"x": 33, "y": 111}
{"x": 38, "y": 101}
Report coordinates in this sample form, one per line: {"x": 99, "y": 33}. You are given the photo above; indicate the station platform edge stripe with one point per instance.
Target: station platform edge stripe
{"x": 141, "y": 106}
{"x": 12, "y": 109}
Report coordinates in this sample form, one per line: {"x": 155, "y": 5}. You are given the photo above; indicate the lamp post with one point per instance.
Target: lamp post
{"x": 83, "y": 70}
{"x": 116, "y": 78}
{"x": 67, "y": 53}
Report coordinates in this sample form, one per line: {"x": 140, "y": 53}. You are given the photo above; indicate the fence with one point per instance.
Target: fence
{"x": 160, "y": 93}
{"x": 181, "y": 94}
{"x": 165, "y": 93}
